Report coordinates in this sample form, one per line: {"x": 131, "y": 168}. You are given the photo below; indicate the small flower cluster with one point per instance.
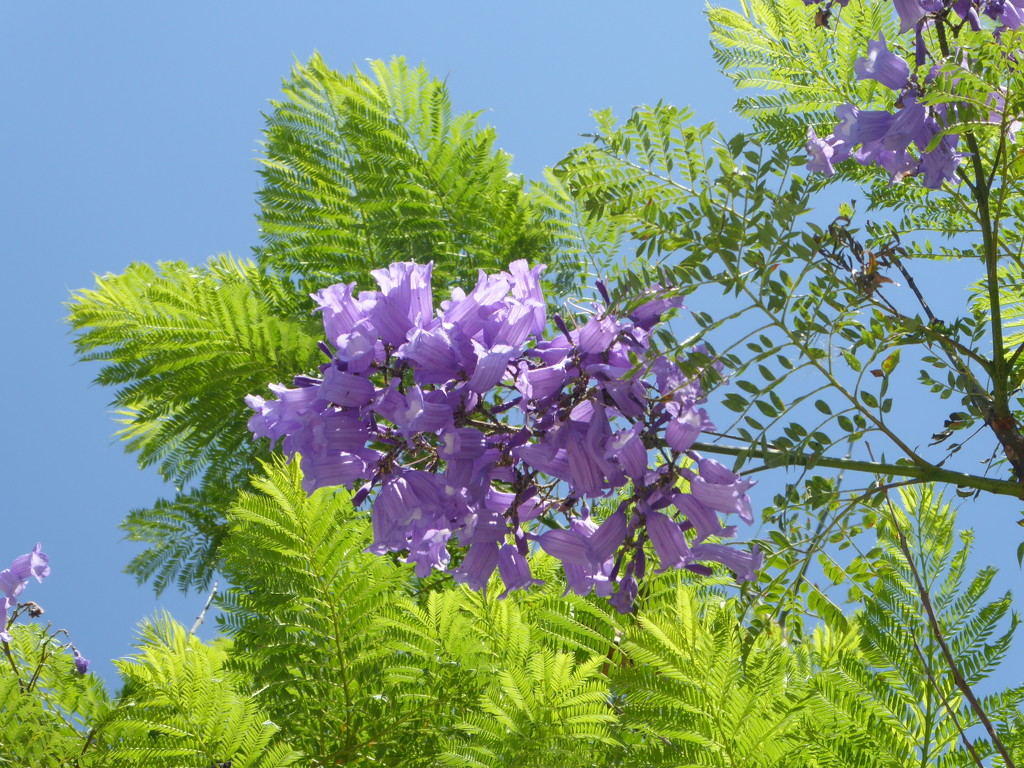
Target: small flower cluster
{"x": 470, "y": 425}
{"x": 13, "y": 581}
{"x": 913, "y": 14}
{"x": 884, "y": 138}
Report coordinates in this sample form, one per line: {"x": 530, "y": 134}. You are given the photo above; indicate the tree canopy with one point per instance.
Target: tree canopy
{"x": 445, "y": 553}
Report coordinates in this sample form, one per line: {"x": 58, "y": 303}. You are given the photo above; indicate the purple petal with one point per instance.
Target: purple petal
{"x": 883, "y": 66}
{"x": 514, "y": 570}
{"x": 477, "y": 566}
{"x": 567, "y": 545}
{"x": 744, "y": 564}
{"x": 346, "y": 389}
{"x": 35, "y": 563}
{"x": 607, "y": 538}
{"x": 624, "y": 598}
{"x": 668, "y": 540}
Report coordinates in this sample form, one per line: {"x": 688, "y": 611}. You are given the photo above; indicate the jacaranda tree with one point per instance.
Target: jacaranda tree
{"x": 469, "y": 450}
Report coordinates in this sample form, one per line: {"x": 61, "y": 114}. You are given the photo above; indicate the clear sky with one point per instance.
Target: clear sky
{"x": 131, "y": 133}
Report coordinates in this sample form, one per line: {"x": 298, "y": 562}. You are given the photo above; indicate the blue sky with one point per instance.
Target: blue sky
{"x": 132, "y": 134}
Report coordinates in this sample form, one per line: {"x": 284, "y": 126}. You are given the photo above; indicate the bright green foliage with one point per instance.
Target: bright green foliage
{"x": 545, "y": 698}
{"x": 358, "y": 669}
{"x": 899, "y": 694}
{"x": 46, "y": 708}
{"x": 794, "y": 66}
{"x": 181, "y": 705}
{"x": 698, "y": 692}
{"x": 362, "y": 171}
{"x": 332, "y": 655}
{"x": 184, "y": 345}
{"x": 307, "y": 616}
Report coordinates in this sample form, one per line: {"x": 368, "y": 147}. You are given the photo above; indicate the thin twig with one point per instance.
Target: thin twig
{"x": 958, "y": 677}
{"x": 202, "y": 614}
{"x": 945, "y": 702}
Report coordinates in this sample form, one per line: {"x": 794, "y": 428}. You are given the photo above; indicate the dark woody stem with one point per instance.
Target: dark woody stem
{"x": 999, "y": 417}
{"x": 929, "y": 474}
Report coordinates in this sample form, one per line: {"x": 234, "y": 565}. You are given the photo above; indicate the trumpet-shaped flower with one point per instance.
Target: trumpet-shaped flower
{"x": 35, "y": 564}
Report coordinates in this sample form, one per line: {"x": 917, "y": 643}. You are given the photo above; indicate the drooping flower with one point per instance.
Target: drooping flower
{"x": 477, "y": 566}
{"x": 649, "y": 313}
{"x": 744, "y": 564}
{"x": 405, "y": 302}
{"x": 625, "y": 595}
{"x": 719, "y": 488}
{"x": 514, "y": 570}
{"x": 13, "y": 580}
{"x": 823, "y": 154}
{"x": 668, "y": 541}
{"x": 911, "y": 12}
{"x": 883, "y": 66}
{"x": 35, "y": 564}
{"x": 81, "y": 663}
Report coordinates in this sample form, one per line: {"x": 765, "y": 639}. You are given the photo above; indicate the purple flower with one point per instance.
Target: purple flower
{"x": 907, "y": 126}
{"x": 625, "y": 595}
{"x": 342, "y": 312}
{"x": 668, "y": 540}
{"x": 913, "y": 11}
{"x": 940, "y": 164}
{"x": 491, "y": 366}
{"x": 81, "y": 663}
{"x": 1009, "y": 13}
{"x": 346, "y": 389}
{"x": 416, "y": 411}
{"x": 627, "y": 448}
{"x": 883, "y": 66}
{"x": 406, "y": 499}
{"x": 477, "y": 566}
{"x": 823, "y": 154}
{"x": 597, "y": 334}
{"x": 721, "y": 489}
{"x": 408, "y": 387}
{"x": 580, "y": 559}
{"x": 13, "y": 580}
{"x": 429, "y": 550}
{"x": 648, "y": 314}
{"x": 514, "y": 570}
{"x": 405, "y": 302}
{"x": 608, "y": 537}
{"x": 744, "y": 564}
{"x": 542, "y": 384}
{"x": 438, "y": 354}
{"x": 966, "y": 10}
{"x": 463, "y": 443}
{"x": 701, "y": 518}
{"x": 685, "y": 425}
{"x": 34, "y": 564}
{"x": 526, "y": 289}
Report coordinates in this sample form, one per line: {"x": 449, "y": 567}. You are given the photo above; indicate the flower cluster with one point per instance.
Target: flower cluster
{"x": 14, "y": 579}
{"x": 884, "y": 138}
{"x": 470, "y": 427}
{"x": 914, "y": 14}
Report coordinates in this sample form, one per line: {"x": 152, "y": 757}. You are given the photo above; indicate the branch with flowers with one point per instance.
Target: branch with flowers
{"x": 468, "y": 425}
